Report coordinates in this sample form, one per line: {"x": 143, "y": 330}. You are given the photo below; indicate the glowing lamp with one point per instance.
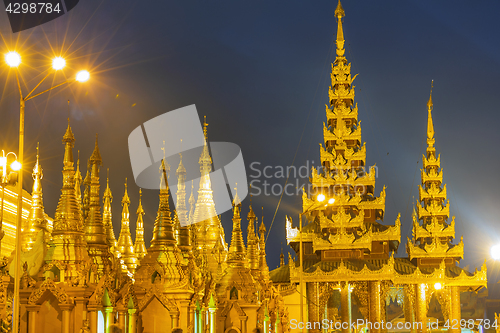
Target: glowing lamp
{"x": 82, "y": 76}
{"x": 320, "y": 197}
{"x": 16, "y": 166}
{"x": 58, "y": 63}
{"x": 437, "y": 286}
{"x": 3, "y": 162}
{"x": 13, "y": 59}
{"x": 331, "y": 201}
{"x": 495, "y": 252}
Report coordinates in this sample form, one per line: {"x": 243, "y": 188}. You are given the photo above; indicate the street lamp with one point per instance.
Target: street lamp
{"x": 319, "y": 199}
{"x": 13, "y": 59}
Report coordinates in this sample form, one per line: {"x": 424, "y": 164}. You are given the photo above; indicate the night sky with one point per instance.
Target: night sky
{"x": 259, "y": 71}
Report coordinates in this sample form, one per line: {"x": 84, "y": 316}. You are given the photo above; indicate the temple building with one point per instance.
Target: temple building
{"x": 78, "y": 277}
{"x": 347, "y": 268}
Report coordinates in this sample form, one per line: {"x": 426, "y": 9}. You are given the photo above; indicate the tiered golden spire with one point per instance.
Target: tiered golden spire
{"x": 339, "y": 14}
{"x": 140, "y": 245}
{"x": 237, "y": 275}
{"x": 252, "y": 242}
{"x": 184, "y": 238}
{"x": 432, "y": 239}
{"x": 237, "y": 256}
{"x": 163, "y": 231}
{"x": 95, "y": 233}
{"x": 86, "y": 192}
{"x": 125, "y": 245}
{"x": 36, "y": 219}
{"x": 181, "y": 194}
{"x": 264, "y": 269}
{"x": 207, "y": 229}
{"x": 163, "y": 248}
{"x": 67, "y": 235}
{"x": 344, "y": 178}
{"x": 78, "y": 182}
{"x": 108, "y": 217}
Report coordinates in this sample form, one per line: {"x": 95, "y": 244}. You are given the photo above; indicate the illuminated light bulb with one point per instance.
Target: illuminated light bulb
{"x": 82, "y": 76}
{"x": 16, "y": 166}
{"x": 320, "y": 197}
{"x": 13, "y": 59}
{"x": 331, "y": 201}
{"x": 58, "y": 63}
{"x": 437, "y": 286}
{"x": 495, "y": 252}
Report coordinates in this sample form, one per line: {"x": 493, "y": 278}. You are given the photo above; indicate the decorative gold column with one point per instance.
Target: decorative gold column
{"x": 243, "y": 324}
{"x": 122, "y": 314}
{"x": 421, "y": 307}
{"x": 32, "y": 313}
{"x": 66, "y": 311}
{"x": 409, "y": 304}
{"x": 455, "y": 313}
{"x": 175, "y": 319}
{"x": 108, "y": 320}
{"x": 345, "y": 307}
{"x": 212, "y": 319}
{"x": 312, "y": 305}
{"x": 374, "y": 305}
{"x": 92, "y": 313}
{"x": 132, "y": 321}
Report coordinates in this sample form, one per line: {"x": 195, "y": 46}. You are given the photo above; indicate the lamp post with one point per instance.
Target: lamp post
{"x": 8, "y": 176}
{"x": 319, "y": 199}
{"x": 13, "y": 59}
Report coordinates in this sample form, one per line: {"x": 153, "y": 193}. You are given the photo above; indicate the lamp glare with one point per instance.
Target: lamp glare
{"x": 16, "y": 166}
{"x": 320, "y": 197}
{"x": 58, "y": 63}
{"x": 13, "y": 59}
{"x": 495, "y": 252}
{"x": 82, "y": 76}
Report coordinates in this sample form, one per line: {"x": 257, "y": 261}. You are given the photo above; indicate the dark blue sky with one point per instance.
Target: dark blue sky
{"x": 259, "y": 71}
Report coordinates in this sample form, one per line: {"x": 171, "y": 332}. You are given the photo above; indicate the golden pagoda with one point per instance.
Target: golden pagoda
{"x": 348, "y": 254}
{"x": 125, "y": 245}
{"x": 139, "y": 244}
{"x": 431, "y": 242}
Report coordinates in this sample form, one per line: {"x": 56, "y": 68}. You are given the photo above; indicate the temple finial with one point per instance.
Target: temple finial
{"x": 339, "y": 11}
{"x": 430, "y": 125}
{"x": 429, "y": 103}
{"x": 339, "y": 14}
{"x": 205, "y": 125}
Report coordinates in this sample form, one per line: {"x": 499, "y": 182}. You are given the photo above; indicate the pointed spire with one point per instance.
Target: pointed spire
{"x": 36, "y": 219}
{"x": 163, "y": 231}
{"x": 181, "y": 194}
{"x": 237, "y": 249}
{"x": 108, "y": 216}
{"x": 69, "y": 140}
{"x": 252, "y": 240}
{"x": 86, "y": 192}
{"x": 78, "y": 181}
{"x": 339, "y": 14}
{"x": 140, "y": 245}
{"x": 163, "y": 250}
{"x": 430, "y": 125}
{"x": 125, "y": 245}
{"x": 262, "y": 250}
{"x": 432, "y": 233}
{"x": 95, "y": 232}
{"x": 69, "y": 248}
